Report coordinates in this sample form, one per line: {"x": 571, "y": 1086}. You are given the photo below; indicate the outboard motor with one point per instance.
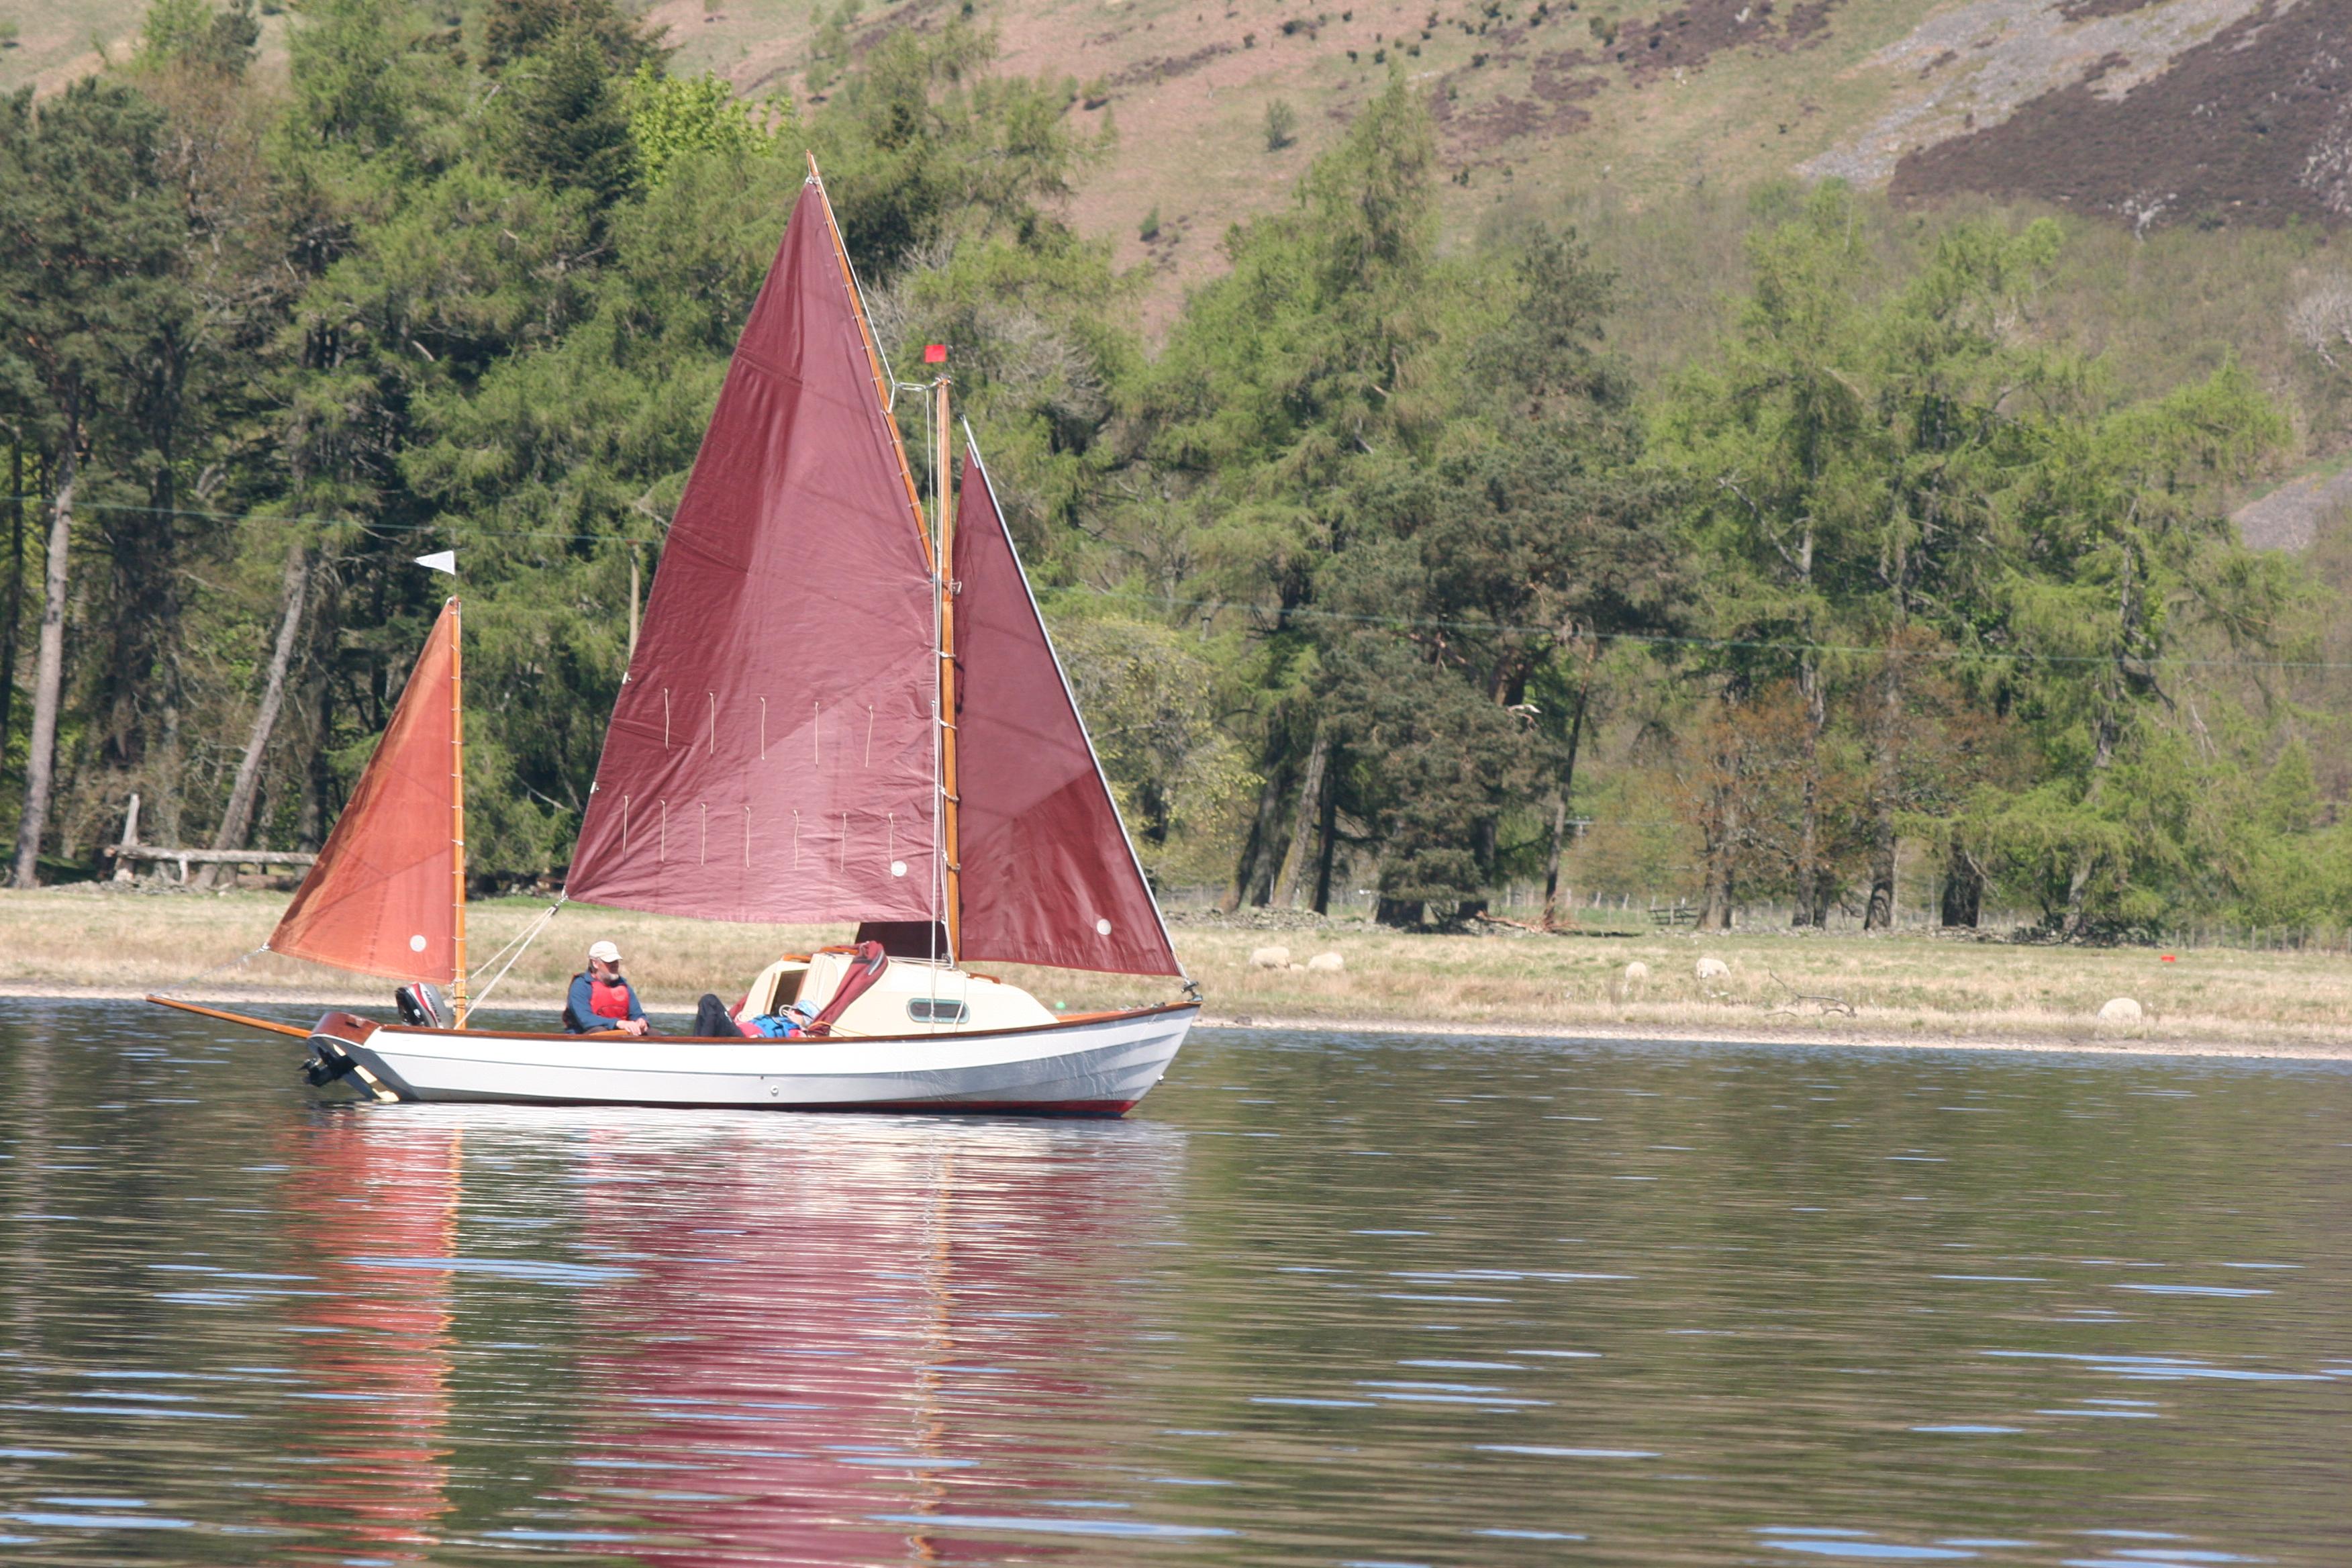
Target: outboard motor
{"x": 320, "y": 1070}
{"x": 422, "y": 1006}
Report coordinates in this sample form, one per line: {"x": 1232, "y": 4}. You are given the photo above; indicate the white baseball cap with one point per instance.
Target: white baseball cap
{"x": 605, "y": 951}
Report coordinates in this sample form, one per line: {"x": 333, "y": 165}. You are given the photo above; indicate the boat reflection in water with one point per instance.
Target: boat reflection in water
{"x": 697, "y": 1339}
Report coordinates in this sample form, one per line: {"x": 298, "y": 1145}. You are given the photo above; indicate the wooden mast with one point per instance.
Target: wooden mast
{"x": 950, "y": 849}
{"x": 937, "y": 553}
{"x": 458, "y": 810}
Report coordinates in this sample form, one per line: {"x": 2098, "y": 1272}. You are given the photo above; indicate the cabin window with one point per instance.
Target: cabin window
{"x": 937, "y": 1010}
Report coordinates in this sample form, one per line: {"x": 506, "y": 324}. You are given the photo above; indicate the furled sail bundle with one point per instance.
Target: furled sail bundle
{"x": 1049, "y": 876}
{"x": 771, "y": 755}
{"x": 384, "y": 897}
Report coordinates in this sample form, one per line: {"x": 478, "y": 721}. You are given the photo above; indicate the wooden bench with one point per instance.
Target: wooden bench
{"x": 130, "y": 851}
{"x": 165, "y": 854}
{"x": 1675, "y": 915}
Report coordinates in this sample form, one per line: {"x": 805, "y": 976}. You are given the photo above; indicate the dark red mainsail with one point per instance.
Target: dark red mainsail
{"x": 380, "y": 899}
{"x": 771, "y": 757}
{"x": 1048, "y": 873}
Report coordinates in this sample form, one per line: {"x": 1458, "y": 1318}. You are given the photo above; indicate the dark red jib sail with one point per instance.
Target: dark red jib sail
{"x": 1048, "y": 873}
{"x": 380, "y": 899}
{"x": 770, "y": 755}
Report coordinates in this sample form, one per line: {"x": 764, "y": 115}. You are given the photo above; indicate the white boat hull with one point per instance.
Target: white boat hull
{"x": 1099, "y": 1065}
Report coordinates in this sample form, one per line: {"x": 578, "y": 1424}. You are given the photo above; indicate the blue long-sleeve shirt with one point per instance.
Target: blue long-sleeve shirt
{"x": 580, "y": 1015}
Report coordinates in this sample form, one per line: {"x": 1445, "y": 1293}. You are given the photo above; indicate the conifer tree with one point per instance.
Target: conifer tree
{"x": 90, "y": 244}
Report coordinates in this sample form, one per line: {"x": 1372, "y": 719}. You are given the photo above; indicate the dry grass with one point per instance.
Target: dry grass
{"x": 1916, "y": 987}
{"x": 1908, "y": 986}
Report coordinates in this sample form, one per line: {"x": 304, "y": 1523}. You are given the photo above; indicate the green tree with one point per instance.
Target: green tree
{"x": 1282, "y": 377}
{"x": 2118, "y": 558}
{"x": 1842, "y": 468}
{"x": 671, "y": 117}
{"x": 191, "y": 34}
{"x": 562, "y": 120}
{"x": 92, "y": 245}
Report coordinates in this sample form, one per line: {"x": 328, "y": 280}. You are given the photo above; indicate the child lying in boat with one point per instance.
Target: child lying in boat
{"x": 796, "y": 1019}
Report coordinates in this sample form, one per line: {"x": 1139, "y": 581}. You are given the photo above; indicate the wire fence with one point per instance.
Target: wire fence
{"x": 1624, "y": 912}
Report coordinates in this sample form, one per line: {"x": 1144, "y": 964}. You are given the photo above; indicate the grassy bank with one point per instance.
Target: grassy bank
{"x": 1913, "y": 987}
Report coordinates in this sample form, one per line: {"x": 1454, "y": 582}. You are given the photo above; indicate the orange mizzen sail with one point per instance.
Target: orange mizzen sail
{"x": 378, "y": 901}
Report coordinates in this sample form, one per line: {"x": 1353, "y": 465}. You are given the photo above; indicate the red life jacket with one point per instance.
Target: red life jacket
{"x": 608, "y": 1001}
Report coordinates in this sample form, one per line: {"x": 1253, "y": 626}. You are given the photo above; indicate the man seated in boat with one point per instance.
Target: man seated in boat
{"x": 601, "y": 999}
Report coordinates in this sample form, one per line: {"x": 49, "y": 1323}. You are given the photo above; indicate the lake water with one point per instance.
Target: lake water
{"x": 1322, "y": 1300}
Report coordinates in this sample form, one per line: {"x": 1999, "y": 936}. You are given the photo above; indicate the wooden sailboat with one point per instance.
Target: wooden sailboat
{"x": 838, "y": 709}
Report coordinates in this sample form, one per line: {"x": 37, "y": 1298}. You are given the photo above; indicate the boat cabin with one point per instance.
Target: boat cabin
{"x": 914, "y": 995}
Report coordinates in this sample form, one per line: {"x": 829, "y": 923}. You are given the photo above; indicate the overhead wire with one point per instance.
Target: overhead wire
{"x": 360, "y": 523}
{"x": 459, "y": 532}
{"x": 1309, "y": 612}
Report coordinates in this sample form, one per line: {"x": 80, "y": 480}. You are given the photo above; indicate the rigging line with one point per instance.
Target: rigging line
{"x": 216, "y": 969}
{"x": 502, "y": 953}
{"x": 1501, "y": 628}
{"x": 520, "y": 944}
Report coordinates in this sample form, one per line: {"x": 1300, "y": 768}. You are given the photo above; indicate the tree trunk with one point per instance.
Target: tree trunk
{"x": 49, "y": 673}
{"x": 1715, "y": 905}
{"x": 1302, "y": 831}
{"x": 2109, "y": 732}
{"x": 1549, "y": 920}
{"x": 237, "y": 818}
{"x": 1722, "y": 840}
{"x": 1483, "y": 840}
{"x": 1248, "y": 881}
{"x": 1811, "y": 889}
{"x": 1403, "y": 913}
{"x": 1880, "y": 915}
{"x": 16, "y": 611}
{"x": 312, "y": 822}
{"x": 2077, "y": 885}
{"x": 1560, "y": 809}
{"x": 1963, "y": 900}
{"x": 1328, "y": 850}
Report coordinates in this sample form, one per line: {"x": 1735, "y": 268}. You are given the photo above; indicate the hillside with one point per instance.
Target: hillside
{"x": 2204, "y": 110}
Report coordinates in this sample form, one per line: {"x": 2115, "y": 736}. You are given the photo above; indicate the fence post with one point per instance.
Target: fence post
{"x": 122, "y": 863}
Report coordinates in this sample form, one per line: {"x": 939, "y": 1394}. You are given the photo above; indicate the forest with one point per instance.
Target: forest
{"x": 1400, "y": 561}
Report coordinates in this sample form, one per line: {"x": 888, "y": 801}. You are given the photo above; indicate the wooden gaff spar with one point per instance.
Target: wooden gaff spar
{"x": 838, "y": 710}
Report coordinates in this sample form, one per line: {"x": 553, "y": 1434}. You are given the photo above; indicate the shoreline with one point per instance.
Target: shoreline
{"x": 1871, "y": 991}
{"x": 2113, "y": 1044}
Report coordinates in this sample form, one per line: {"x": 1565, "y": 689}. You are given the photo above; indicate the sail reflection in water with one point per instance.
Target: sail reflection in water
{"x": 377, "y": 1344}
{"x": 771, "y": 1339}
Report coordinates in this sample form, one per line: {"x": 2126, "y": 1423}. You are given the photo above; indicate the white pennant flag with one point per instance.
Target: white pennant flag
{"x": 440, "y": 561}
